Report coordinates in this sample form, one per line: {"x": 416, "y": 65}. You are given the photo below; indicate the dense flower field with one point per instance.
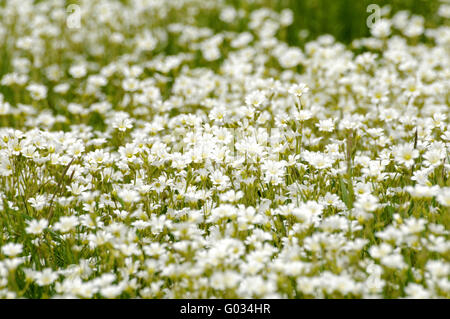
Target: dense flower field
{"x": 144, "y": 155}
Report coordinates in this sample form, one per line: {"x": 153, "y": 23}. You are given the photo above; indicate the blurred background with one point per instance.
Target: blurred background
{"x": 344, "y": 19}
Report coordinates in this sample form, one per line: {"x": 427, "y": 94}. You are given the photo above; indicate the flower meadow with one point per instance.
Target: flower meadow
{"x": 146, "y": 153}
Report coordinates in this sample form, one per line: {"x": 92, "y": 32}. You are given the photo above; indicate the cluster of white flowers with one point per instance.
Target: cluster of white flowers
{"x": 145, "y": 155}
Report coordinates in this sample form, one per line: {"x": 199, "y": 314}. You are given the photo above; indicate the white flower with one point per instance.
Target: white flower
{"x": 36, "y": 227}
{"x": 39, "y": 202}
{"x": 298, "y": 89}
{"x": 78, "y": 71}
{"x": 422, "y": 191}
{"x": 368, "y": 203}
{"x": 318, "y": 160}
{"x": 122, "y": 123}
{"x": 219, "y": 179}
{"x": 5, "y": 107}
{"x": 37, "y": 91}
{"x": 130, "y": 84}
{"x": 273, "y": 171}
{"x": 326, "y": 125}
{"x": 381, "y": 28}
{"x": 111, "y": 291}
{"x": 12, "y": 249}
{"x": 416, "y": 291}
{"x": 255, "y": 99}
{"x": 45, "y": 277}
{"x": 66, "y": 224}
{"x": 433, "y": 157}
{"x": 303, "y": 115}
{"x": 291, "y": 58}
{"x": 444, "y": 197}
{"x": 405, "y": 154}
{"x": 129, "y": 195}
{"x": 394, "y": 261}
